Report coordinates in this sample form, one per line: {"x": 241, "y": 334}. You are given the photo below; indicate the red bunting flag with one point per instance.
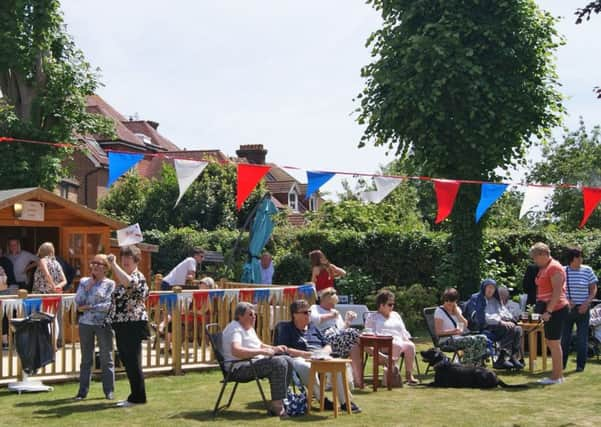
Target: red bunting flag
{"x": 246, "y": 295}
{"x": 248, "y": 178}
{"x": 200, "y": 298}
{"x": 50, "y": 304}
{"x": 446, "y": 192}
{"x": 592, "y": 197}
{"x": 290, "y": 292}
{"x": 153, "y": 300}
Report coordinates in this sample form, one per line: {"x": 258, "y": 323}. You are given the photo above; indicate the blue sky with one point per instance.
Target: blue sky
{"x": 282, "y": 73}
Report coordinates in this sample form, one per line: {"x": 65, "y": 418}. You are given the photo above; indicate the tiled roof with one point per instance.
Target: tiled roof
{"x": 296, "y": 219}
{"x": 146, "y": 128}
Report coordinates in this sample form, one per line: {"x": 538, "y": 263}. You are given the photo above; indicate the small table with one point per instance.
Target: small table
{"x": 534, "y": 329}
{"x": 334, "y": 367}
{"x": 378, "y": 343}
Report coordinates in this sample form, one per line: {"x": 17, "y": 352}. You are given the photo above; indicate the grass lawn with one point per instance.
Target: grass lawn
{"x": 189, "y": 399}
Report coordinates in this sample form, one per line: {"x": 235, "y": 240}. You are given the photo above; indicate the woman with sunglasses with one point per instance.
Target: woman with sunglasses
{"x": 93, "y": 301}
{"x": 386, "y": 321}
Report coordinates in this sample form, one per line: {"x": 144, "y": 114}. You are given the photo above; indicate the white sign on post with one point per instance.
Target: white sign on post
{"x": 33, "y": 211}
{"x": 129, "y": 235}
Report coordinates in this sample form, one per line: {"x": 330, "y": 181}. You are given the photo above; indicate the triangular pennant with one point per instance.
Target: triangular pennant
{"x": 32, "y": 305}
{"x": 591, "y": 198}
{"x": 275, "y": 295}
{"x": 119, "y": 163}
{"x": 489, "y": 193}
{"x": 10, "y": 305}
{"x": 384, "y": 186}
{"x": 50, "y": 304}
{"x": 446, "y": 193}
{"x": 248, "y": 178}
{"x": 261, "y": 295}
{"x": 67, "y": 302}
{"x": 200, "y": 298}
{"x": 246, "y": 295}
{"x": 153, "y": 300}
{"x": 187, "y": 171}
{"x": 231, "y": 294}
{"x": 316, "y": 180}
{"x": 535, "y": 199}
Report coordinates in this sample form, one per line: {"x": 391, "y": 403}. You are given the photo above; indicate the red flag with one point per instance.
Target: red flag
{"x": 246, "y": 295}
{"x": 592, "y": 197}
{"x": 290, "y": 292}
{"x": 153, "y": 299}
{"x": 200, "y": 298}
{"x": 248, "y": 178}
{"x": 50, "y": 304}
{"x": 446, "y": 192}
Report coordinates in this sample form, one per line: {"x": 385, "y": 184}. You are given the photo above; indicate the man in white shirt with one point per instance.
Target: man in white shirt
{"x": 266, "y": 269}
{"x": 22, "y": 260}
{"x": 184, "y": 271}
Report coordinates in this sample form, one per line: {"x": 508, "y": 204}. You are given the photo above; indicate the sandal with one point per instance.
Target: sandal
{"x": 412, "y": 382}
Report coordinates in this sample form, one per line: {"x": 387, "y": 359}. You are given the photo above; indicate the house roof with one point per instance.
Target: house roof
{"x": 10, "y": 197}
{"x": 96, "y": 105}
{"x": 146, "y": 128}
{"x": 281, "y": 187}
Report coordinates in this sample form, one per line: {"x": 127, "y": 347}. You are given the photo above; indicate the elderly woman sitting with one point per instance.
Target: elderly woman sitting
{"x": 388, "y": 322}
{"x": 303, "y": 340}
{"x": 240, "y": 341}
{"x": 343, "y": 339}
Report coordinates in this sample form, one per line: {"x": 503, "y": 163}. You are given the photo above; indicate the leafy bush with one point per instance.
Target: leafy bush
{"x": 356, "y": 283}
{"x": 291, "y": 269}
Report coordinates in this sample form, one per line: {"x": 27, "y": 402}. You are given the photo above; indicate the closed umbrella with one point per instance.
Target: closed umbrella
{"x": 260, "y": 230}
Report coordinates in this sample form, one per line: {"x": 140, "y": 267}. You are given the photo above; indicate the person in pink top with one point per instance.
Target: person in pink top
{"x": 551, "y": 293}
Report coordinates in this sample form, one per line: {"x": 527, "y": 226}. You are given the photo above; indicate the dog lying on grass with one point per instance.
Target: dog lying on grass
{"x": 449, "y": 374}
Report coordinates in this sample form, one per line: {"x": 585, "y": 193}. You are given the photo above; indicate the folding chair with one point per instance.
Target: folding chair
{"x": 215, "y": 336}
{"x": 365, "y": 316}
{"x": 428, "y": 314}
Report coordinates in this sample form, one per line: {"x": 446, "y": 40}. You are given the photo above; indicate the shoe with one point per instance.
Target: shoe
{"x": 79, "y": 397}
{"x": 580, "y": 369}
{"x": 354, "y": 408}
{"x": 109, "y": 396}
{"x": 126, "y": 404}
{"x": 549, "y": 381}
{"x": 516, "y": 363}
{"x": 328, "y": 405}
{"x": 412, "y": 382}
{"x": 502, "y": 363}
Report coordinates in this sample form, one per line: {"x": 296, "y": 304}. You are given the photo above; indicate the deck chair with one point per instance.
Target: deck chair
{"x": 215, "y": 336}
{"x": 428, "y": 314}
{"x": 365, "y": 316}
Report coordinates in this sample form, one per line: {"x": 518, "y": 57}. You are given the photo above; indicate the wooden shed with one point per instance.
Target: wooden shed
{"x": 35, "y": 215}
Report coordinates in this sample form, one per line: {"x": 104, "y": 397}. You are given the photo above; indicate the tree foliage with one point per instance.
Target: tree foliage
{"x": 462, "y": 86}
{"x": 585, "y": 14}
{"x": 575, "y": 159}
{"x": 44, "y": 81}
{"x": 208, "y": 204}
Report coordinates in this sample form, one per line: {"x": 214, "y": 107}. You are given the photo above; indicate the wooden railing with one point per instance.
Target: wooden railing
{"x": 176, "y": 318}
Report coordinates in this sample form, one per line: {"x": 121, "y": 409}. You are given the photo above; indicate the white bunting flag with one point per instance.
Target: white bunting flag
{"x": 129, "y": 235}
{"x": 187, "y": 171}
{"x": 384, "y": 186}
{"x": 535, "y": 199}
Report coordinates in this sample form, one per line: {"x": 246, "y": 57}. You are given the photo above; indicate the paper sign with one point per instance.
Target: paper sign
{"x": 129, "y": 235}
{"x": 33, "y": 211}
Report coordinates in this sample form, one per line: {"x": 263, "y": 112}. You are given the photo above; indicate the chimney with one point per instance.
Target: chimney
{"x": 254, "y": 153}
{"x": 153, "y": 124}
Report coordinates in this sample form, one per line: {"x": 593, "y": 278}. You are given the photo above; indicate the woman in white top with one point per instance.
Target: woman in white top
{"x": 388, "y": 322}
{"x": 343, "y": 339}
{"x": 449, "y": 326}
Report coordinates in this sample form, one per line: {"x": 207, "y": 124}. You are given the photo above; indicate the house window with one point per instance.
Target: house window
{"x": 64, "y": 190}
{"x": 312, "y": 203}
{"x": 293, "y": 200}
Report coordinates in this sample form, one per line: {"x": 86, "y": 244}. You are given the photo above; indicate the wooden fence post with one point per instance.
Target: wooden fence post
{"x": 176, "y": 336}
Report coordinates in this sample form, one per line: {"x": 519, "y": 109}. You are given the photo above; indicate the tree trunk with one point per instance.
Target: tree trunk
{"x": 466, "y": 241}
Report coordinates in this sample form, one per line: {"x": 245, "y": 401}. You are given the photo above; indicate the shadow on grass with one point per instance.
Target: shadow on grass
{"x": 53, "y": 402}
{"x": 66, "y": 410}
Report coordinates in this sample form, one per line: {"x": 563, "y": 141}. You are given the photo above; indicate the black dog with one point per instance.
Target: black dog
{"x": 449, "y": 374}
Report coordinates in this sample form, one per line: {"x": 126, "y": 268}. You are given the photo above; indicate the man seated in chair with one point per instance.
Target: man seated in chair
{"x": 490, "y": 316}
{"x": 305, "y": 341}
{"x": 240, "y": 341}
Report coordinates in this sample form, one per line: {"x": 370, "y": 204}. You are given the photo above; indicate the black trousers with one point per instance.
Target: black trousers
{"x": 129, "y": 336}
{"x": 509, "y": 338}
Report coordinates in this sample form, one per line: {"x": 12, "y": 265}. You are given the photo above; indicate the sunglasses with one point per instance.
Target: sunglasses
{"x": 93, "y": 263}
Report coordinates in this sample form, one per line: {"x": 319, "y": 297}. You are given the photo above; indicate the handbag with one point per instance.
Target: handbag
{"x": 296, "y": 403}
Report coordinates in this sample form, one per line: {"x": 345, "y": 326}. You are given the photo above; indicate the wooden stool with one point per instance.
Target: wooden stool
{"x": 377, "y": 342}
{"x": 534, "y": 330}
{"x": 334, "y": 367}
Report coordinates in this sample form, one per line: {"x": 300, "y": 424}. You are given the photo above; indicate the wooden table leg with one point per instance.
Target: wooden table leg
{"x": 347, "y": 392}
{"x": 532, "y": 350}
{"x": 390, "y": 367}
{"x": 334, "y": 375}
{"x": 310, "y": 391}
{"x": 543, "y": 344}
{"x": 322, "y": 391}
{"x": 375, "y": 365}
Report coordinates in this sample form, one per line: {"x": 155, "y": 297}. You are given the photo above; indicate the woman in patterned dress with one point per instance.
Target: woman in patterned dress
{"x": 49, "y": 277}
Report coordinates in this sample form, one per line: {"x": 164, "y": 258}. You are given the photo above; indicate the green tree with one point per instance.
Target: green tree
{"x": 585, "y": 13}
{"x": 463, "y": 86}
{"x": 44, "y": 81}
{"x": 575, "y": 159}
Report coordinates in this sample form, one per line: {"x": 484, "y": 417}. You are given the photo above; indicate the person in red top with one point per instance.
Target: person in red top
{"x": 551, "y": 292}
{"x": 323, "y": 272}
